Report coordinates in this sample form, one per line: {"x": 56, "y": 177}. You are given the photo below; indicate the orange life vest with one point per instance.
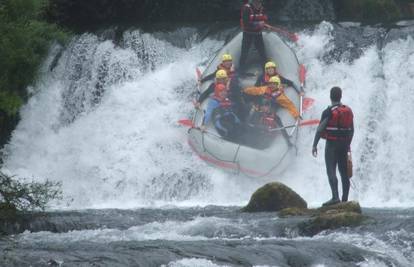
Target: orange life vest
{"x": 229, "y": 72}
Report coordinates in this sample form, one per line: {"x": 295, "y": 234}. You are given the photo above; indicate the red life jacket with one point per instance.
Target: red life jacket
{"x": 225, "y": 103}
{"x": 272, "y": 95}
{"x": 229, "y": 72}
{"x": 269, "y": 120}
{"x": 218, "y": 87}
{"x": 340, "y": 124}
{"x": 255, "y": 15}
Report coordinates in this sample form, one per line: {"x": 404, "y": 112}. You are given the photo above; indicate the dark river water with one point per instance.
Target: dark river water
{"x": 210, "y": 236}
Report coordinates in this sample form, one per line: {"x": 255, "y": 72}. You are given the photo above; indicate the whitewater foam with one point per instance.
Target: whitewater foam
{"x": 103, "y": 122}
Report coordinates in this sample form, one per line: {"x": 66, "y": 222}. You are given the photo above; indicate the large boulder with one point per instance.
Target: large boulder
{"x": 274, "y": 197}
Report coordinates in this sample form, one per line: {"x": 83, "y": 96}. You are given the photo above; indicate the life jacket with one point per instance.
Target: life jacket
{"x": 255, "y": 17}
{"x": 230, "y": 72}
{"x": 340, "y": 124}
{"x": 269, "y": 120}
{"x": 224, "y": 110}
{"x": 218, "y": 87}
{"x": 225, "y": 104}
{"x": 267, "y": 77}
{"x": 272, "y": 95}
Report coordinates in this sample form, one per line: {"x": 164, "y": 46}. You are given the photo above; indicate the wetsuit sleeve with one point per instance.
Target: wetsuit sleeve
{"x": 286, "y": 81}
{"x": 206, "y": 93}
{"x": 235, "y": 90}
{"x": 322, "y": 126}
{"x": 291, "y": 84}
{"x": 208, "y": 77}
{"x": 259, "y": 81}
{"x": 212, "y": 105}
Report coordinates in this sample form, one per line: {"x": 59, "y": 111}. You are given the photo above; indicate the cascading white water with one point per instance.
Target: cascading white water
{"x": 103, "y": 122}
{"x": 378, "y": 86}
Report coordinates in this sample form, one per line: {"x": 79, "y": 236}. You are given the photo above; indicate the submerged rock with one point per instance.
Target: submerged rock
{"x": 274, "y": 197}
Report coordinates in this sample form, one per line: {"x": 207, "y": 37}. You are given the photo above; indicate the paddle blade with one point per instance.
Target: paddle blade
{"x": 186, "y": 123}
{"x": 309, "y": 122}
{"x": 307, "y": 103}
{"x": 290, "y": 35}
{"x": 294, "y": 37}
{"x": 199, "y": 74}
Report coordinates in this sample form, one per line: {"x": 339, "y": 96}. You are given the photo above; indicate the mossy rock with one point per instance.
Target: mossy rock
{"x": 292, "y": 212}
{"x": 350, "y": 206}
{"x": 332, "y": 220}
{"x": 274, "y": 197}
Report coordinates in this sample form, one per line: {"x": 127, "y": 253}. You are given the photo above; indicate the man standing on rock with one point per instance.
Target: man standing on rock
{"x": 337, "y": 127}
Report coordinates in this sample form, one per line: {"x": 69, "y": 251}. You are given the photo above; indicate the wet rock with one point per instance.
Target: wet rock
{"x": 293, "y": 212}
{"x": 350, "y": 206}
{"x": 346, "y": 214}
{"x": 274, "y": 197}
{"x": 330, "y": 221}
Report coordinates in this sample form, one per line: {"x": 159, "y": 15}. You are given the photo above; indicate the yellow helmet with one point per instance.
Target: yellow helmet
{"x": 221, "y": 74}
{"x": 275, "y": 79}
{"x": 270, "y": 64}
{"x": 226, "y": 57}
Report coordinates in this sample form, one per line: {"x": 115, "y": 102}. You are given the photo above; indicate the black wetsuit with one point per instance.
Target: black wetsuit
{"x": 335, "y": 155}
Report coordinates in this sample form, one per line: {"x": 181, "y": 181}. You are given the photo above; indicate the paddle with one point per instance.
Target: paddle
{"x": 309, "y": 122}
{"x": 186, "y": 123}
{"x": 307, "y": 103}
{"x": 291, "y": 36}
{"x": 302, "y": 123}
{"x": 302, "y": 74}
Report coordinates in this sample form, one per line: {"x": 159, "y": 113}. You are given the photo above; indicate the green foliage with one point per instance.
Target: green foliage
{"x": 24, "y": 42}
{"x": 26, "y": 196}
{"x": 10, "y": 102}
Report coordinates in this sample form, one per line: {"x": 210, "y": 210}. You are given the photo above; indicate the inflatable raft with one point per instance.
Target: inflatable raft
{"x": 241, "y": 158}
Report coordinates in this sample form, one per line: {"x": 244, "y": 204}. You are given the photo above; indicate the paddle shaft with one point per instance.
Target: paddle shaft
{"x": 291, "y": 36}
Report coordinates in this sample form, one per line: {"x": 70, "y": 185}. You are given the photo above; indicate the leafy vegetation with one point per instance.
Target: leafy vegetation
{"x": 18, "y": 195}
{"x": 24, "y": 41}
